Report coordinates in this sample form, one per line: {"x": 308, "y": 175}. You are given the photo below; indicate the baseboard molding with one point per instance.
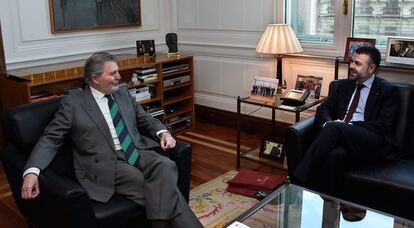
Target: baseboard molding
{"x": 249, "y": 124}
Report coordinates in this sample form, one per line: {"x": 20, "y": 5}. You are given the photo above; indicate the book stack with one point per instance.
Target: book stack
{"x": 145, "y": 74}
{"x": 41, "y": 96}
{"x": 140, "y": 94}
{"x": 174, "y": 68}
{"x": 156, "y": 111}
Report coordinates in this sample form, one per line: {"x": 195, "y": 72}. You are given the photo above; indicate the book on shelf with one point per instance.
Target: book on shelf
{"x": 45, "y": 98}
{"x": 144, "y": 78}
{"x": 156, "y": 111}
{"x": 40, "y": 94}
{"x": 146, "y": 70}
{"x": 173, "y": 68}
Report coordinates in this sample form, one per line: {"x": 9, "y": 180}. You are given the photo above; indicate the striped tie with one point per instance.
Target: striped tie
{"x": 128, "y": 147}
{"x": 354, "y": 103}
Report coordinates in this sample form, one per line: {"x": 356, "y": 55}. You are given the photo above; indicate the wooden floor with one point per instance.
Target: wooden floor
{"x": 214, "y": 153}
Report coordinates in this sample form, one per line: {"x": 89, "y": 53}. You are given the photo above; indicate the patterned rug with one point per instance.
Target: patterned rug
{"x": 214, "y": 206}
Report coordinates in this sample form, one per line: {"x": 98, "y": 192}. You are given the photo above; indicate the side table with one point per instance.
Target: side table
{"x": 276, "y": 104}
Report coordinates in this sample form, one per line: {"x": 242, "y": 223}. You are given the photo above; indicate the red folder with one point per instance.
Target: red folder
{"x": 247, "y": 182}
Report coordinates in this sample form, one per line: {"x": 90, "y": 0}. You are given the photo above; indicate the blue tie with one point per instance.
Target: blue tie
{"x": 125, "y": 139}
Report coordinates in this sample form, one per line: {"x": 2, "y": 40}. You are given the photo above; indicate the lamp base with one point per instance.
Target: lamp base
{"x": 281, "y": 87}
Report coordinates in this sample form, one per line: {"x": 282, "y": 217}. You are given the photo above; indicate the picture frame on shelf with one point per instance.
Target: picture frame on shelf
{"x": 146, "y": 47}
{"x": 352, "y": 43}
{"x": 400, "y": 50}
{"x": 264, "y": 89}
{"x": 272, "y": 150}
{"x": 311, "y": 83}
{"x": 75, "y": 16}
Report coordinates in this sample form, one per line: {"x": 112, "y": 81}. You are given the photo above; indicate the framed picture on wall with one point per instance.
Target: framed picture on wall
{"x": 353, "y": 43}
{"x": 400, "y": 50}
{"x": 77, "y": 15}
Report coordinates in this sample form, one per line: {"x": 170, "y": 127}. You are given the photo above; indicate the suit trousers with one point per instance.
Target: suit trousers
{"x": 153, "y": 184}
{"x": 337, "y": 146}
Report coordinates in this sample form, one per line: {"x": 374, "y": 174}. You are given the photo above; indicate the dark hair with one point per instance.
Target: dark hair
{"x": 373, "y": 53}
{"x": 95, "y": 64}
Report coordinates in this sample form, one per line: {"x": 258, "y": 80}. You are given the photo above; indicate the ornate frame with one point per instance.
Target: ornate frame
{"x": 75, "y": 16}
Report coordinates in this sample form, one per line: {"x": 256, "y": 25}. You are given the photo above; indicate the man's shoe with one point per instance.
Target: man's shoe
{"x": 259, "y": 195}
{"x": 352, "y": 214}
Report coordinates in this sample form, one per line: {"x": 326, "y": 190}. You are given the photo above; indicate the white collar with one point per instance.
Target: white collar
{"x": 96, "y": 93}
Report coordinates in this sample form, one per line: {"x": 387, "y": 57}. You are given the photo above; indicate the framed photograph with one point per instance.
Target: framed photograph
{"x": 264, "y": 89}
{"x": 77, "y": 15}
{"x": 353, "y": 43}
{"x": 271, "y": 150}
{"x": 400, "y": 50}
{"x": 145, "y": 47}
{"x": 311, "y": 83}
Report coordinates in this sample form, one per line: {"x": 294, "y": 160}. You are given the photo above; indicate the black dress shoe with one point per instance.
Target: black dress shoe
{"x": 259, "y": 195}
{"x": 352, "y": 214}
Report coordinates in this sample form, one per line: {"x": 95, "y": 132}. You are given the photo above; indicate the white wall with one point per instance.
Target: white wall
{"x": 221, "y": 34}
{"x": 28, "y": 39}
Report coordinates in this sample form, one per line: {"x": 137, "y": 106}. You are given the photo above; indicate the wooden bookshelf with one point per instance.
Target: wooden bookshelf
{"x": 21, "y": 84}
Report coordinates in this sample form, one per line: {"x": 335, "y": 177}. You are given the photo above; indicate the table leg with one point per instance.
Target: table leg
{"x": 238, "y": 133}
{"x": 297, "y": 117}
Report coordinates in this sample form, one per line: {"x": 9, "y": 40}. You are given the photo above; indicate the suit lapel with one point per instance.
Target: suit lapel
{"x": 92, "y": 109}
{"x": 348, "y": 91}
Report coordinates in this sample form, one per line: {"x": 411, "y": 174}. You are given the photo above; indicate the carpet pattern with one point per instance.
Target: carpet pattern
{"x": 214, "y": 206}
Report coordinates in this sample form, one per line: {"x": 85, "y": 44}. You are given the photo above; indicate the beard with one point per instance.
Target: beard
{"x": 354, "y": 75}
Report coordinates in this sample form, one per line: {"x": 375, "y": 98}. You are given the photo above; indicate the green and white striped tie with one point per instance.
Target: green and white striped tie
{"x": 125, "y": 139}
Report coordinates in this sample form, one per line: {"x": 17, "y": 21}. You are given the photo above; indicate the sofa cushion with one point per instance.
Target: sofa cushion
{"x": 383, "y": 187}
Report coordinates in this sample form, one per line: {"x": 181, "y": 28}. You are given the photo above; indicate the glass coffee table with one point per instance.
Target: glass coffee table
{"x": 293, "y": 206}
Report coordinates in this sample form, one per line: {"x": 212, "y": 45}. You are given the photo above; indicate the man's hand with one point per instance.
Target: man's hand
{"x": 167, "y": 141}
{"x": 30, "y": 188}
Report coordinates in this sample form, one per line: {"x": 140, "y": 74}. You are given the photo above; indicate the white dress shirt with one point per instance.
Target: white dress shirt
{"x": 360, "y": 110}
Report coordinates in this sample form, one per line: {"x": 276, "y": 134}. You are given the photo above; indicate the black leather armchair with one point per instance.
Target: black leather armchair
{"x": 387, "y": 186}
{"x": 62, "y": 201}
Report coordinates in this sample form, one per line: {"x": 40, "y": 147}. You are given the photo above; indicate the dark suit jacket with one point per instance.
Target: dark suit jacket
{"x": 382, "y": 104}
{"x": 94, "y": 154}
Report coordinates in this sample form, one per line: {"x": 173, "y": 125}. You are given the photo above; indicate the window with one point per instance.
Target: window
{"x": 382, "y": 18}
{"x": 323, "y": 22}
{"x": 312, "y": 21}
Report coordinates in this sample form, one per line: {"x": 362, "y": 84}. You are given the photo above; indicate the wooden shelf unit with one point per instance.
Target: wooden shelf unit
{"x": 21, "y": 84}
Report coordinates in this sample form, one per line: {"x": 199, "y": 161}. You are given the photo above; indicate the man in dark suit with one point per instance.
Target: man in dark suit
{"x": 114, "y": 148}
{"x": 357, "y": 124}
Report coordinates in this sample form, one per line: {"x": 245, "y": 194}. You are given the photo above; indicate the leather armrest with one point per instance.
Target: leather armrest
{"x": 61, "y": 190}
{"x": 298, "y": 139}
{"x": 182, "y": 157}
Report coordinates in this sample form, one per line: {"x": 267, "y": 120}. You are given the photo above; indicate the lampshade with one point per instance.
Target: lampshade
{"x": 279, "y": 39}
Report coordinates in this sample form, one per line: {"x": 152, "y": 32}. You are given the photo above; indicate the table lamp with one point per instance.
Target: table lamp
{"x": 279, "y": 39}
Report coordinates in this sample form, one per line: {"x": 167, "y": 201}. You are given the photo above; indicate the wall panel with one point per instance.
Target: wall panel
{"x": 29, "y": 41}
